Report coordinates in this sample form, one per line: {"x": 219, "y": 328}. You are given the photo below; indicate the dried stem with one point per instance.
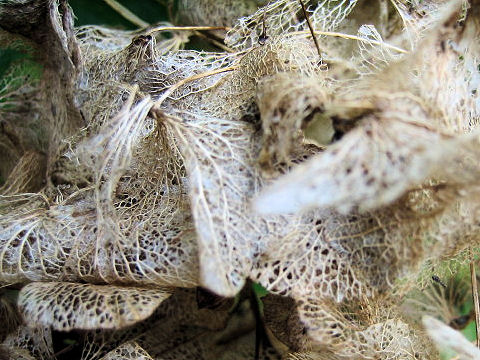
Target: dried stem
{"x": 186, "y": 28}
{"x": 213, "y": 41}
{"x": 127, "y": 14}
{"x": 476, "y": 305}
{"x": 179, "y": 84}
{"x": 315, "y": 40}
{"x": 352, "y": 37}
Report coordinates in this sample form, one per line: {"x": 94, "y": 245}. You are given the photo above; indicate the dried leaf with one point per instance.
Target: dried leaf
{"x": 67, "y": 306}
{"x": 372, "y": 166}
{"x": 127, "y": 351}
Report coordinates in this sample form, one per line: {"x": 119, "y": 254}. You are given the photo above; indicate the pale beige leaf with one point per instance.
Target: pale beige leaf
{"x": 67, "y": 306}
{"x": 33, "y": 341}
{"x": 128, "y": 351}
{"x": 371, "y": 166}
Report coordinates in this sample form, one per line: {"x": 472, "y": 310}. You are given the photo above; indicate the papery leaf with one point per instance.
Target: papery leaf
{"x": 33, "y": 341}
{"x": 281, "y": 17}
{"x": 67, "y": 306}
{"x": 127, "y": 351}
{"x": 371, "y": 166}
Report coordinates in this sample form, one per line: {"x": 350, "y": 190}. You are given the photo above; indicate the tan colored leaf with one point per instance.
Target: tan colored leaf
{"x": 281, "y": 17}
{"x": 371, "y": 166}
{"x": 33, "y": 341}
{"x": 128, "y": 351}
{"x": 67, "y": 306}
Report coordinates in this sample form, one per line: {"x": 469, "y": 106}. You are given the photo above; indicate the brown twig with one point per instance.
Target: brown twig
{"x": 213, "y": 41}
{"x": 351, "y": 37}
{"x": 476, "y": 305}
{"x": 127, "y": 14}
{"x": 315, "y": 40}
{"x": 186, "y": 28}
{"x": 179, "y": 84}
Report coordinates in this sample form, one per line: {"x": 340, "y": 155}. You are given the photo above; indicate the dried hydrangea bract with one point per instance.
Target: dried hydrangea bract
{"x": 325, "y": 150}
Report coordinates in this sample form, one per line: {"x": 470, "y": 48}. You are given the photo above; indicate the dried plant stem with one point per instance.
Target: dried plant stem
{"x": 315, "y": 40}
{"x": 352, "y": 37}
{"x": 213, "y": 41}
{"x": 179, "y": 84}
{"x": 476, "y": 305}
{"x": 127, "y": 14}
{"x": 186, "y": 28}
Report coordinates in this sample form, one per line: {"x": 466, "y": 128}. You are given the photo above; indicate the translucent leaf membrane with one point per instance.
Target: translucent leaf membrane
{"x": 75, "y": 231}
{"x": 31, "y": 343}
{"x": 287, "y": 102}
{"x": 343, "y": 257}
{"x": 398, "y": 147}
{"x": 67, "y": 306}
{"x": 363, "y": 329}
{"x": 220, "y": 160}
{"x": 128, "y": 351}
{"x": 370, "y": 167}
{"x": 238, "y": 89}
{"x": 283, "y": 16}
{"x": 158, "y": 187}
{"x": 175, "y": 324}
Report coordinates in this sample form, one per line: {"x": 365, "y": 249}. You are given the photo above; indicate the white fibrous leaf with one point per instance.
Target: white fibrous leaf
{"x": 219, "y": 162}
{"x": 67, "y": 306}
{"x": 128, "y": 351}
{"x": 391, "y": 150}
{"x": 34, "y": 341}
{"x": 281, "y": 17}
{"x": 445, "y": 337}
{"x": 371, "y": 166}
{"x": 373, "y": 332}
{"x": 287, "y": 102}
{"x": 325, "y": 255}
{"x": 375, "y": 54}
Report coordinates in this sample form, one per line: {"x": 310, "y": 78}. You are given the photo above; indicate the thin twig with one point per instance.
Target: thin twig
{"x": 186, "y": 28}
{"x": 263, "y": 36}
{"x": 179, "y": 84}
{"x": 213, "y": 41}
{"x": 476, "y": 304}
{"x": 352, "y": 37}
{"x": 127, "y": 14}
{"x": 64, "y": 350}
{"x": 307, "y": 17}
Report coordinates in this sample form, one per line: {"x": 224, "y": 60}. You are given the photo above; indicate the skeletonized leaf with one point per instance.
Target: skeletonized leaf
{"x": 34, "y": 341}
{"x": 128, "y": 351}
{"x": 373, "y": 165}
{"x": 218, "y": 159}
{"x": 280, "y": 17}
{"x": 177, "y": 320}
{"x": 67, "y": 306}
{"x": 375, "y": 331}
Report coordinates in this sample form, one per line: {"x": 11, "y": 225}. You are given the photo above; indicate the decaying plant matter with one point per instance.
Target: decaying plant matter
{"x": 336, "y": 173}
